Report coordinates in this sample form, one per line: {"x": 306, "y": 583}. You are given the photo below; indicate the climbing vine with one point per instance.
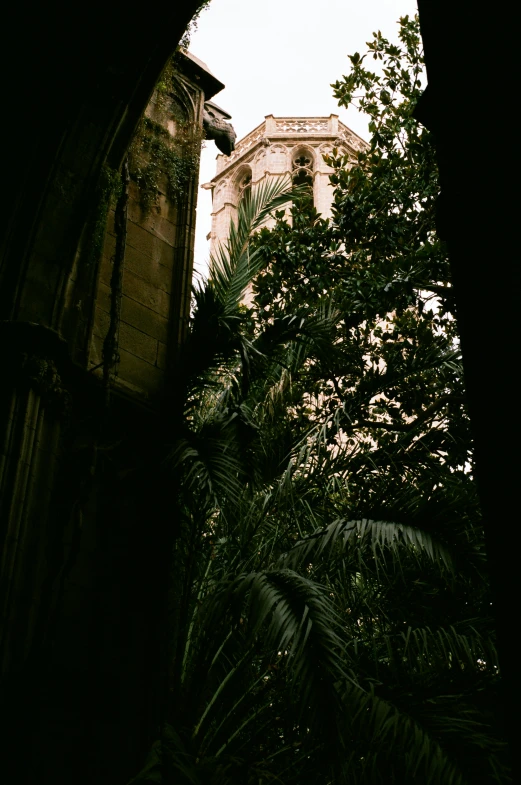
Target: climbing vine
{"x": 164, "y": 155}
{"x": 111, "y": 342}
{"x": 108, "y": 190}
{"x": 192, "y": 25}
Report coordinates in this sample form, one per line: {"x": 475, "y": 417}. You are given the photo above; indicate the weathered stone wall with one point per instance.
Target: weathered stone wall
{"x": 85, "y": 511}
{"x": 157, "y": 268}
{"x": 156, "y": 276}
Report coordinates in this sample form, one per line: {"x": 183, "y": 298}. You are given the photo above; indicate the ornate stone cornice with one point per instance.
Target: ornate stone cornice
{"x": 277, "y": 129}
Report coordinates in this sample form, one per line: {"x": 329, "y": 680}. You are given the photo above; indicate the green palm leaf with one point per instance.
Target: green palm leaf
{"x": 442, "y": 649}
{"x": 394, "y": 742}
{"x": 381, "y": 536}
{"x": 298, "y": 624}
{"x": 234, "y": 263}
{"x": 210, "y": 464}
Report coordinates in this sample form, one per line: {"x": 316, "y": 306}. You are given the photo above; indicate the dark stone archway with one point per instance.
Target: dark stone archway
{"x": 84, "y": 703}
{"x": 76, "y": 81}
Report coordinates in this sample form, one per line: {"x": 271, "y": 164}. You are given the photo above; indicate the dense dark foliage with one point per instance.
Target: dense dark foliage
{"x": 330, "y": 603}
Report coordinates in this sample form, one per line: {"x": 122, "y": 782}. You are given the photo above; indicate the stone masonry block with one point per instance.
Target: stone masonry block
{"x": 142, "y": 318}
{"x": 149, "y": 245}
{"x": 138, "y": 343}
{"x": 105, "y": 270}
{"x": 162, "y": 355}
{"x": 109, "y": 245}
{"x": 164, "y": 209}
{"x": 154, "y": 274}
{"x": 103, "y": 298}
{"x": 95, "y": 350}
{"x": 140, "y": 373}
{"x": 101, "y": 322}
{"x": 157, "y": 227}
{"x": 150, "y": 270}
{"x": 138, "y": 289}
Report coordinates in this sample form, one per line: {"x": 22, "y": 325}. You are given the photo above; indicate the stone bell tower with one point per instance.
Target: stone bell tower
{"x": 291, "y": 146}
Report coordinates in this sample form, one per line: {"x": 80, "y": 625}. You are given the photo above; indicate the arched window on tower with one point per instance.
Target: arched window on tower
{"x": 302, "y": 172}
{"x": 245, "y": 186}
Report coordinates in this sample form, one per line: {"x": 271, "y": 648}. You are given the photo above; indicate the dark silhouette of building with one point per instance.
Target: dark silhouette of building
{"x": 95, "y": 284}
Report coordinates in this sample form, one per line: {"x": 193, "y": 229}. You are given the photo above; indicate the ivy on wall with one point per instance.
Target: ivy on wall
{"x": 164, "y": 154}
{"x": 107, "y": 192}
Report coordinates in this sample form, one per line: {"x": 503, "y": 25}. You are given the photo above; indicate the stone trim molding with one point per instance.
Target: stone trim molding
{"x": 267, "y": 134}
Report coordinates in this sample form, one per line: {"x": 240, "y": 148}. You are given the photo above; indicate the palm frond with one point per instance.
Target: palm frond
{"x": 211, "y": 468}
{"x": 443, "y": 649}
{"x": 394, "y": 741}
{"x": 233, "y": 264}
{"x": 298, "y": 624}
{"x": 379, "y": 535}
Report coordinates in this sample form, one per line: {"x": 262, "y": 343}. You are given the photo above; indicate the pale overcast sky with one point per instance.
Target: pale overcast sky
{"x": 280, "y": 57}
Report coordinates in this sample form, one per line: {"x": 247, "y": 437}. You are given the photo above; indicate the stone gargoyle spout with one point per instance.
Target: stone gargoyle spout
{"x": 217, "y": 128}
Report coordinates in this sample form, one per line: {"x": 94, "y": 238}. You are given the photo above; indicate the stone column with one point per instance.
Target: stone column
{"x": 333, "y": 124}
{"x": 271, "y": 125}
{"x": 32, "y": 410}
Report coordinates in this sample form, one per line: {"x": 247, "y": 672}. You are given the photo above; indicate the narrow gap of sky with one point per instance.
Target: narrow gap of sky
{"x": 280, "y": 57}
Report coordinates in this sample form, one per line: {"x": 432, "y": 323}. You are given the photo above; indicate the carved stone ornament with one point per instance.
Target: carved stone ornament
{"x": 248, "y": 141}
{"x": 305, "y": 125}
{"x": 41, "y": 374}
{"x": 219, "y": 130}
{"x": 326, "y": 149}
{"x": 33, "y": 355}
